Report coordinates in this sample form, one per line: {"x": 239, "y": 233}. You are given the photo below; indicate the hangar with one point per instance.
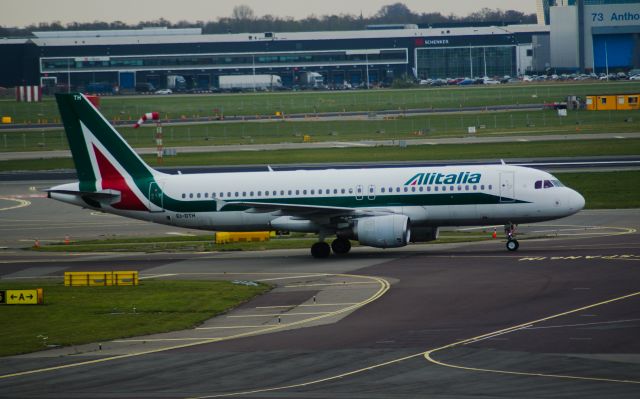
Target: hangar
{"x": 593, "y": 35}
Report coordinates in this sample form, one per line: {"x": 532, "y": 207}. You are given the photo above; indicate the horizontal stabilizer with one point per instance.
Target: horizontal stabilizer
{"x": 100, "y": 196}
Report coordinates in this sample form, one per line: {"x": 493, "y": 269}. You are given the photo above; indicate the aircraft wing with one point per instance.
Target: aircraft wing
{"x": 308, "y": 211}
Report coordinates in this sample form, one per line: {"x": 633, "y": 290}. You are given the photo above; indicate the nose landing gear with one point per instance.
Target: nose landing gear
{"x": 510, "y": 231}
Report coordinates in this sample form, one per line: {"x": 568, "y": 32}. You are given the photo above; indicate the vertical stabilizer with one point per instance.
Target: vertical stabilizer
{"x": 103, "y": 159}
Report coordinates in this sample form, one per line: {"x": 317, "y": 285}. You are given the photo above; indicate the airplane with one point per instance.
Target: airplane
{"x": 378, "y": 207}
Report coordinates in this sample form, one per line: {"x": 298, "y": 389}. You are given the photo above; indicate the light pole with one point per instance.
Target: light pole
{"x": 366, "y": 60}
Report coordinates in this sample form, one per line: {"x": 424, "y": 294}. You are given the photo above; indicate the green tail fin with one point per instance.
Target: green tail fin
{"x": 99, "y": 151}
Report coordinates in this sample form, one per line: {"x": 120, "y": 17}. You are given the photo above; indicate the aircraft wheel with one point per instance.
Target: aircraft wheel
{"x": 320, "y": 250}
{"x": 512, "y": 245}
{"x": 341, "y": 246}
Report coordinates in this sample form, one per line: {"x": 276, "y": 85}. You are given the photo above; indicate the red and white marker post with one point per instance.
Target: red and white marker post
{"x": 155, "y": 116}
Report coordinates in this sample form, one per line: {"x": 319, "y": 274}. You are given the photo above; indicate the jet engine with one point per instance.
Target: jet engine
{"x": 387, "y": 231}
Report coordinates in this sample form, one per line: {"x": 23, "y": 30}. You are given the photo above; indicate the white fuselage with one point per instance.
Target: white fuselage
{"x": 497, "y": 194}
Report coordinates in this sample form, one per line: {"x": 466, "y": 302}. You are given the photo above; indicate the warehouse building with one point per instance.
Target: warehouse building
{"x": 126, "y": 58}
{"x": 592, "y": 35}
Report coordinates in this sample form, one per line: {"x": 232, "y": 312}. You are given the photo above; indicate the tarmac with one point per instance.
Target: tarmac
{"x": 559, "y": 318}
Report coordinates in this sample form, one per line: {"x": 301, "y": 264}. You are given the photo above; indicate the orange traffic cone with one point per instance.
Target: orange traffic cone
{"x": 495, "y": 234}
{"x": 66, "y": 240}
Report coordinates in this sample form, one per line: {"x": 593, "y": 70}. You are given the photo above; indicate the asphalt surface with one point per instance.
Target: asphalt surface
{"x": 559, "y": 318}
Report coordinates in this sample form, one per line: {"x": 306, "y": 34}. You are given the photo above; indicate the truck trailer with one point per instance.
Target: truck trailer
{"x": 250, "y": 82}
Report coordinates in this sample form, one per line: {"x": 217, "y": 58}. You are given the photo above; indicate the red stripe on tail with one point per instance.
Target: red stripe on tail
{"x": 112, "y": 179}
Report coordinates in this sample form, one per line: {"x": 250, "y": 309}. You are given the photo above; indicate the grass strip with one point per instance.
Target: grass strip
{"x": 309, "y": 102}
{"x": 606, "y": 190}
{"x": 489, "y": 124}
{"x": 79, "y": 315}
{"x": 494, "y": 151}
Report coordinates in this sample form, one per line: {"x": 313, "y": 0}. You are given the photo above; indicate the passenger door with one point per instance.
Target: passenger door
{"x": 507, "y": 187}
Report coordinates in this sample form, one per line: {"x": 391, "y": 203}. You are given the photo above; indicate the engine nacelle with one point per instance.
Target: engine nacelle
{"x": 424, "y": 234}
{"x": 387, "y": 231}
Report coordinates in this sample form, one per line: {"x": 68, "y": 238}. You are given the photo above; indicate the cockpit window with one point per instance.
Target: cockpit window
{"x": 547, "y": 184}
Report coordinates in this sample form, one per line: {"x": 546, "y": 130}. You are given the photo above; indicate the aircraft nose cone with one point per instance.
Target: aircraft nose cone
{"x": 579, "y": 201}
{"x": 576, "y": 201}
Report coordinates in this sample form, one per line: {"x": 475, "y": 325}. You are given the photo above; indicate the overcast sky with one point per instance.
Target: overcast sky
{"x": 25, "y": 12}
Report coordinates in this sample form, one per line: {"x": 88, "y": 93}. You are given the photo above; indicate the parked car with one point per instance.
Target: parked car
{"x": 164, "y": 91}
{"x": 489, "y": 81}
{"x": 466, "y": 82}
{"x": 635, "y": 77}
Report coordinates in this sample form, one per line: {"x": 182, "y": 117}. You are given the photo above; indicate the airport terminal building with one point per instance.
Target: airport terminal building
{"x": 127, "y": 57}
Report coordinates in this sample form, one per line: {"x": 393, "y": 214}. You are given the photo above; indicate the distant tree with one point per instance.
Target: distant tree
{"x": 243, "y": 19}
{"x": 396, "y": 13}
{"x": 242, "y": 13}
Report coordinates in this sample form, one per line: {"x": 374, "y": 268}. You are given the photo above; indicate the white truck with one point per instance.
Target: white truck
{"x": 176, "y": 82}
{"x": 250, "y": 82}
{"x": 311, "y": 80}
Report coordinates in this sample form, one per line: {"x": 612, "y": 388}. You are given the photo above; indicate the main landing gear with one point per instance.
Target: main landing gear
{"x": 340, "y": 246}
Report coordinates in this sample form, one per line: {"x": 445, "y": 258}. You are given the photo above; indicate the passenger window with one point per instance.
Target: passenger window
{"x": 237, "y": 194}
{"x": 229, "y": 194}
{"x": 466, "y": 188}
{"x": 335, "y": 191}
{"x": 444, "y": 188}
{"x": 350, "y": 191}
{"x": 244, "y": 193}
{"x": 190, "y": 195}
{"x": 490, "y": 186}
{"x": 342, "y": 190}
{"x": 266, "y": 193}
{"x": 289, "y": 192}
{"x": 275, "y": 192}
{"x": 413, "y": 189}
{"x": 297, "y": 192}
{"x": 206, "y": 195}
{"x": 382, "y": 189}
{"x": 184, "y": 195}
{"x": 435, "y": 188}
{"x": 482, "y": 187}
{"x": 428, "y": 188}
{"x": 397, "y": 189}
{"x": 313, "y": 192}
{"x": 251, "y": 194}
{"x": 304, "y": 192}
{"x": 259, "y": 193}
{"x": 475, "y": 187}
{"x": 421, "y": 188}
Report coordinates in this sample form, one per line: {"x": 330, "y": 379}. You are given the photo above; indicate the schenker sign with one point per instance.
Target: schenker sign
{"x": 436, "y": 42}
